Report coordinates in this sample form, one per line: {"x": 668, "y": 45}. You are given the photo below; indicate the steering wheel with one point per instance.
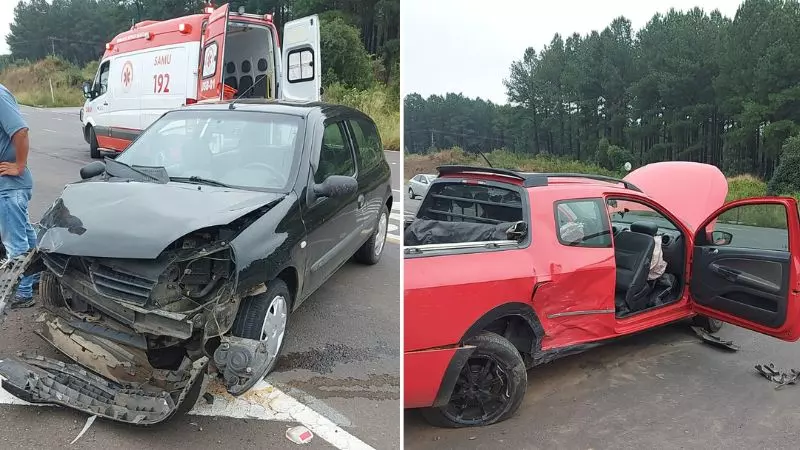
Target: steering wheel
{"x": 273, "y": 171}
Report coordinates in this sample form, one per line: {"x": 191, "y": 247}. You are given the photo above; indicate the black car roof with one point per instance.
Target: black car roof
{"x": 299, "y": 108}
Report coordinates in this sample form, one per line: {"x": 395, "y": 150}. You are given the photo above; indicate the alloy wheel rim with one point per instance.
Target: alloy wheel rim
{"x": 380, "y": 238}
{"x": 274, "y": 327}
{"x": 481, "y": 393}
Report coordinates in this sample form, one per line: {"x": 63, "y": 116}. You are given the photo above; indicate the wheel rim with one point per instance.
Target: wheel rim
{"x": 380, "y": 238}
{"x": 274, "y": 326}
{"x": 481, "y": 393}
{"x": 410, "y": 193}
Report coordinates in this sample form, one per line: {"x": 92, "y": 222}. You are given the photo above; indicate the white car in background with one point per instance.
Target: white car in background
{"x": 418, "y": 185}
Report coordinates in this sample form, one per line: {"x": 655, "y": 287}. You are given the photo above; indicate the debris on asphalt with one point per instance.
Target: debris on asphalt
{"x": 88, "y": 424}
{"x": 199, "y": 428}
{"x": 715, "y": 340}
{"x": 299, "y": 434}
{"x": 782, "y": 378}
{"x": 209, "y": 398}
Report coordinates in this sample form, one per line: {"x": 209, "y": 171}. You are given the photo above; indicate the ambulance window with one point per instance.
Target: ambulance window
{"x": 336, "y": 157}
{"x": 102, "y": 86}
{"x": 210, "y": 60}
{"x": 367, "y": 142}
{"x": 301, "y": 65}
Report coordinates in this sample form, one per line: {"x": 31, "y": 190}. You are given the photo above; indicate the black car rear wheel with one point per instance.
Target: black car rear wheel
{"x": 370, "y": 253}
{"x": 489, "y": 388}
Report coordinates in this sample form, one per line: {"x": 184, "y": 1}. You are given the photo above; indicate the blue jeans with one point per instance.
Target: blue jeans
{"x": 17, "y": 233}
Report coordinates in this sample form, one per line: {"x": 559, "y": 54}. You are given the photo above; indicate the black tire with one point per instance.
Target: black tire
{"x": 708, "y": 324}
{"x": 411, "y": 193}
{"x": 250, "y": 317}
{"x": 495, "y": 348}
{"x": 50, "y": 291}
{"x": 94, "y": 147}
{"x": 368, "y": 254}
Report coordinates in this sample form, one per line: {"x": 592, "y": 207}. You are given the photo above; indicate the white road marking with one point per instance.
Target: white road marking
{"x": 396, "y": 190}
{"x": 49, "y": 130}
{"x": 263, "y": 402}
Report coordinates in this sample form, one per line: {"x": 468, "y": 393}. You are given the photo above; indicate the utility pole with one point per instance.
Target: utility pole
{"x": 53, "y": 45}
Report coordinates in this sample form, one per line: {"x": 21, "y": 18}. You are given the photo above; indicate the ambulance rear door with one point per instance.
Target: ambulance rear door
{"x": 301, "y": 74}
{"x": 213, "y": 52}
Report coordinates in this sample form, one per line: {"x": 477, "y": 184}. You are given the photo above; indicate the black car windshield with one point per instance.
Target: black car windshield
{"x": 246, "y": 149}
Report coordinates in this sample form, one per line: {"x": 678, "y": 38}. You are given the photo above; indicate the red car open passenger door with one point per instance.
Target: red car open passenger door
{"x": 212, "y": 55}
{"x": 745, "y": 268}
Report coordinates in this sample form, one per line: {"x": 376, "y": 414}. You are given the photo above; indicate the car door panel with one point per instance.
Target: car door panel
{"x": 750, "y": 280}
{"x": 331, "y": 221}
{"x": 373, "y": 174}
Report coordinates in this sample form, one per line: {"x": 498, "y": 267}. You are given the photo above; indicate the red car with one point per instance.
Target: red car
{"x": 507, "y": 270}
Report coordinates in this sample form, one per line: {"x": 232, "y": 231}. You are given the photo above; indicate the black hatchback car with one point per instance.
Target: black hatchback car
{"x": 186, "y": 254}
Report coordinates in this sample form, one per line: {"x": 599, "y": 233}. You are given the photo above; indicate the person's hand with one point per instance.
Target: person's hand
{"x": 10, "y": 169}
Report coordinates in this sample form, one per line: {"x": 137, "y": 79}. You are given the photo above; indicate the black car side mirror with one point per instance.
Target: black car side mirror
{"x": 336, "y": 186}
{"x": 721, "y": 238}
{"x": 92, "y": 170}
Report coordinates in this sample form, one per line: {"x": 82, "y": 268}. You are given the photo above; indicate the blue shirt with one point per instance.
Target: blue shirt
{"x": 11, "y": 121}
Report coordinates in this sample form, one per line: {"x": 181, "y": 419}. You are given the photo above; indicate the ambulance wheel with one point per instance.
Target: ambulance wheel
{"x": 94, "y": 148}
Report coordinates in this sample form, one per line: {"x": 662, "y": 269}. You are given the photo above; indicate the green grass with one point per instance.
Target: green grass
{"x": 378, "y": 102}
{"x": 30, "y": 82}
{"x": 739, "y": 187}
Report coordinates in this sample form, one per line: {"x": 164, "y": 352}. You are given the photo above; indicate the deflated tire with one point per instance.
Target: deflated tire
{"x": 489, "y": 389}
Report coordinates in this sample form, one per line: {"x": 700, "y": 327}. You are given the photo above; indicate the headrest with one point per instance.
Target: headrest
{"x": 648, "y": 228}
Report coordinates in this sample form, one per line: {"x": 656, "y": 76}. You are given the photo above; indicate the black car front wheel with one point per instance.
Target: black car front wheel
{"x": 489, "y": 388}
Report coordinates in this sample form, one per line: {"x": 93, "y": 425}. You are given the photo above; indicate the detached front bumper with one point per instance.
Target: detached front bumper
{"x": 121, "y": 386}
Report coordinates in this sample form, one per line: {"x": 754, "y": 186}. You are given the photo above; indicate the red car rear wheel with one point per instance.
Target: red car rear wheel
{"x": 489, "y": 389}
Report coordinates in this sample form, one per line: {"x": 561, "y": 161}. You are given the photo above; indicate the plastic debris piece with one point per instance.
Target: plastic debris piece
{"x": 715, "y": 340}
{"x": 209, "y": 398}
{"x": 299, "y": 434}
{"x": 88, "y": 424}
{"x": 782, "y": 379}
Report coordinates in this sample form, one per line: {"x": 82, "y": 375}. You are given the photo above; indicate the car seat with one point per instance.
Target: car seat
{"x": 633, "y": 251}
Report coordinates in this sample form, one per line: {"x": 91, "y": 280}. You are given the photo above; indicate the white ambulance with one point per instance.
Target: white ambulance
{"x": 216, "y": 55}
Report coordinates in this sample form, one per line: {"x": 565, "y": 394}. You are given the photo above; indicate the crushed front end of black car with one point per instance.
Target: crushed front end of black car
{"x": 142, "y": 330}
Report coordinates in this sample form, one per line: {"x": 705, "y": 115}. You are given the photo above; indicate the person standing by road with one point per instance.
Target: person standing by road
{"x": 16, "y": 185}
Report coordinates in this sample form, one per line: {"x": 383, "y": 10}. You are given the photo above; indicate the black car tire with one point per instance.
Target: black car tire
{"x": 366, "y": 254}
{"x": 411, "y": 193}
{"x": 708, "y": 324}
{"x": 50, "y": 291}
{"x": 250, "y": 317}
{"x": 501, "y": 352}
{"x": 94, "y": 147}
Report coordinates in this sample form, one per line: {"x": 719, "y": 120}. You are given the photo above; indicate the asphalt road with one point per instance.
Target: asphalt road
{"x": 663, "y": 389}
{"x": 341, "y": 359}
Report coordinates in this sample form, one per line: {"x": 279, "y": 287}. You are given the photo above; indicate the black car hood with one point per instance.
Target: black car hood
{"x": 138, "y": 220}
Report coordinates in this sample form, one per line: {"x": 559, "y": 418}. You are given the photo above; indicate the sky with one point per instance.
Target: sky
{"x": 6, "y": 17}
{"x": 467, "y": 46}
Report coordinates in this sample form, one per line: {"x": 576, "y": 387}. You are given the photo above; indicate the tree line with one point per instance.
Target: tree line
{"x": 352, "y": 30}
{"x": 690, "y": 85}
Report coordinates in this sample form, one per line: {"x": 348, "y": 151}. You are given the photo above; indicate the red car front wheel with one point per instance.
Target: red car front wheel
{"x": 490, "y": 386}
